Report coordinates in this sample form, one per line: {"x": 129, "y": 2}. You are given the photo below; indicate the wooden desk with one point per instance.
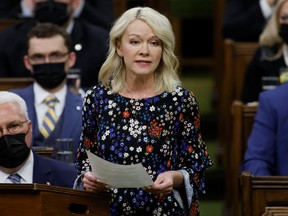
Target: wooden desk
{"x": 45, "y": 200}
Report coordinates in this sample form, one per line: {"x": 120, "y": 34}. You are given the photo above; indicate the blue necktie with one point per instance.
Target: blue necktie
{"x": 50, "y": 118}
{"x": 15, "y": 178}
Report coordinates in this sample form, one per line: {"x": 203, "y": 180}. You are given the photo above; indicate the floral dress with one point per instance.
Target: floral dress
{"x": 161, "y": 132}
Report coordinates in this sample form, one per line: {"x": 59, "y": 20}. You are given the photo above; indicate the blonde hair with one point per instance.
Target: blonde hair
{"x": 270, "y": 35}
{"x": 113, "y": 69}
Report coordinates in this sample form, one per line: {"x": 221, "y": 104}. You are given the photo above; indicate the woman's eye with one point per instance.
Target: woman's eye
{"x": 134, "y": 42}
{"x": 155, "y": 43}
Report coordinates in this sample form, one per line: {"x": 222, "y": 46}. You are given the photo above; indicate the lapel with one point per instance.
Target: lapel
{"x": 71, "y": 115}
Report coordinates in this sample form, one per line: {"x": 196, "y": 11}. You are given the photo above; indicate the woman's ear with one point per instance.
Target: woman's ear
{"x": 119, "y": 51}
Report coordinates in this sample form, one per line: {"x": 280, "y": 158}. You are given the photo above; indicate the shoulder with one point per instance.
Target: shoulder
{"x": 55, "y": 165}
{"x": 277, "y": 95}
{"x": 24, "y": 92}
{"x": 77, "y": 99}
{"x": 90, "y": 28}
{"x": 98, "y": 91}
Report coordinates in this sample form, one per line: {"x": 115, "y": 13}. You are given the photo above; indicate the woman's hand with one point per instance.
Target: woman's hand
{"x": 165, "y": 183}
{"x": 92, "y": 183}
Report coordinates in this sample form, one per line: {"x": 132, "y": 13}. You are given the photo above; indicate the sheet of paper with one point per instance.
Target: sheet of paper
{"x": 118, "y": 175}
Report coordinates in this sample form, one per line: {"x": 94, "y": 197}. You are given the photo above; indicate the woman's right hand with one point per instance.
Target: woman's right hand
{"x": 92, "y": 183}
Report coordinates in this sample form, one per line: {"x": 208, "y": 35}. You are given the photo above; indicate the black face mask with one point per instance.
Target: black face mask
{"x": 51, "y": 11}
{"x": 283, "y": 32}
{"x": 49, "y": 75}
{"x": 13, "y": 150}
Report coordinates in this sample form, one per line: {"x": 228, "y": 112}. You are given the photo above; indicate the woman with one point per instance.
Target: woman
{"x": 269, "y": 66}
{"x": 139, "y": 113}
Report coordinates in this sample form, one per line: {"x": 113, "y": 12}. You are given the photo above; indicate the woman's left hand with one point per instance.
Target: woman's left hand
{"x": 165, "y": 183}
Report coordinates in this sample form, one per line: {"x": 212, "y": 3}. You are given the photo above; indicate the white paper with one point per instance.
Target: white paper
{"x": 118, "y": 175}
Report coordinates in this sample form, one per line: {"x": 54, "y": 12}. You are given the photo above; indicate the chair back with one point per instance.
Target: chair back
{"x": 242, "y": 123}
{"x": 264, "y": 195}
{"x": 8, "y": 83}
{"x": 237, "y": 56}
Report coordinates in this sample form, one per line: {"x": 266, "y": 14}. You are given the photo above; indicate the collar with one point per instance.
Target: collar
{"x": 42, "y": 94}
{"x": 26, "y": 171}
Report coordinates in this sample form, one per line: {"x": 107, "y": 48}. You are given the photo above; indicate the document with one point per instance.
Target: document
{"x": 118, "y": 175}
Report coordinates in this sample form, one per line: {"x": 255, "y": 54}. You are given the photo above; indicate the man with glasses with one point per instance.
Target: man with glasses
{"x": 53, "y": 109}
{"x": 18, "y": 163}
{"x": 89, "y": 41}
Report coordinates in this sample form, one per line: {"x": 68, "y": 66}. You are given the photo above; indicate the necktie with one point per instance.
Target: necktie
{"x": 15, "y": 178}
{"x": 50, "y": 118}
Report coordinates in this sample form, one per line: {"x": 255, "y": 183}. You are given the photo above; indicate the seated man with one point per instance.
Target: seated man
{"x": 267, "y": 149}
{"x": 89, "y": 41}
{"x": 17, "y": 158}
{"x": 49, "y": 59}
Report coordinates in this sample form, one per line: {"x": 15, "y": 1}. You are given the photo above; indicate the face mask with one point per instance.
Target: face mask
{"x": 51, "y": 11}
{"x": 13, "y": 150}
{"x": 283, "y": 32}
{"x": 49, "y": 75}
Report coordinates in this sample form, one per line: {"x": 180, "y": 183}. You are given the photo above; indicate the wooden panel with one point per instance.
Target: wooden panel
{"x": 14, "y": 82}
{"x": 237, "y": 56}
{"x": 264, "y": 195}
{"x": 242, "y": 122}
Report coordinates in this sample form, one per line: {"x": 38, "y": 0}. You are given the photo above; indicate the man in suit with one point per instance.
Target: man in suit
{"x": 267, "y": 149}
{"x": 49, "y": 59}
{"x": 17, "y": 158}
{"x": 244, "y": 20}
{"x": 89, "y": 41}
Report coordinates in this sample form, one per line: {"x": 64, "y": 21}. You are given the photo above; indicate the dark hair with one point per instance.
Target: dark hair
{"x": 48, "y": 30}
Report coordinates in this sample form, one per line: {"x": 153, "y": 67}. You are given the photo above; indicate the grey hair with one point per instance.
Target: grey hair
{"x": 9, "y": 97}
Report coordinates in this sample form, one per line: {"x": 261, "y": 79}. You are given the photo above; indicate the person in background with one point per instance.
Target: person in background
{"x": 18, "y": 163}
{"x": 139, "y": 113}
{"x": 269, "y": 66}
{"x": 267, "y": 149}
{"x": 244, "y": 20}
{"x": 97, "y": 12}
{"x": 89, "y": 42}
{"x": 49, "y": 59}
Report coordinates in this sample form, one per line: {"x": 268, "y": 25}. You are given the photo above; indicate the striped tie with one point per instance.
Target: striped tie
{"x": 50, "y": 118}
{"x": 15, "y": 178}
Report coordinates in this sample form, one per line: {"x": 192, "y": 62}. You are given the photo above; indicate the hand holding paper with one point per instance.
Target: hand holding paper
{"x": 117, "y": 175}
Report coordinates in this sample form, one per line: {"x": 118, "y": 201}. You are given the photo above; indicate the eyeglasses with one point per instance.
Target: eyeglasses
{"x": 53, "y": 57}
{"x": 13, "y": 127}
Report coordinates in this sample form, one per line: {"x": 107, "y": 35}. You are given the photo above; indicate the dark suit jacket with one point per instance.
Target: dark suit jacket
{"x": 68, "y": 126}
{"x": 7, "y": 6}
{"x": 57, "y": 173}
{"x": 92, "y": 39}
{"x": 268, "y": 141}
{"x": 243, "y": 20}
{"x": 257, "y": 69}
{"x": 97, "y": 12}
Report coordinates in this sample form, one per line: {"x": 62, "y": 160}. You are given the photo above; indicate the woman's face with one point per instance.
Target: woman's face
{"x": 141, "y": 49}
{"x": 283, "y": 15}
